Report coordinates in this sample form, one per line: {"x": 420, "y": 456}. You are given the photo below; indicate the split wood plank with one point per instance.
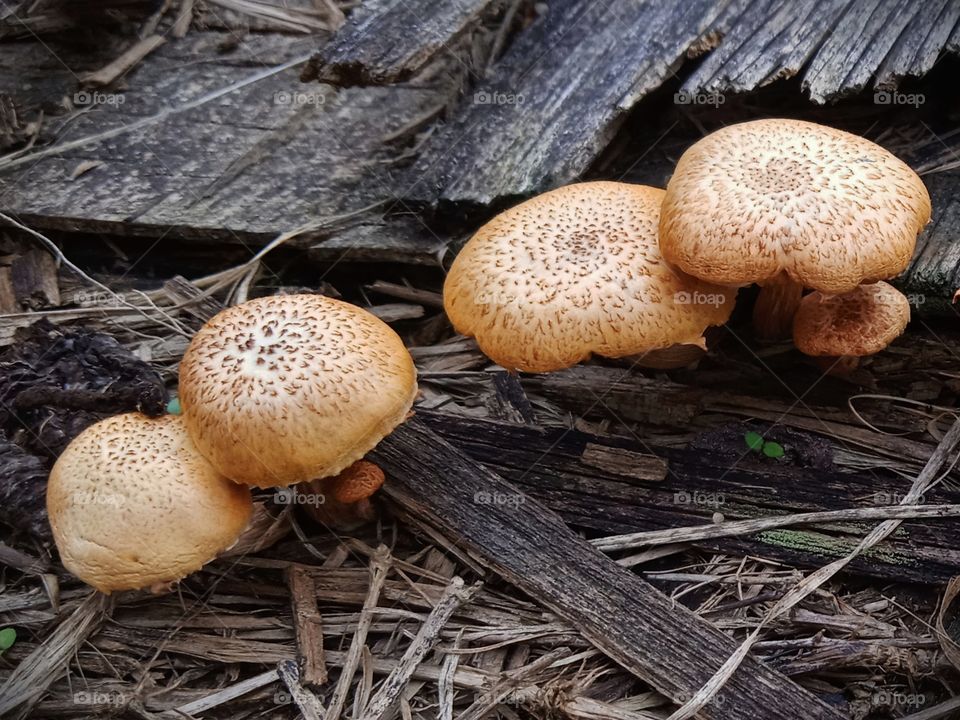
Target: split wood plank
{"x": 556, "y": 98}
{"x": 251, "y": 161}
{"x": 579, "y": 476}
{"x": 661, "y": 642}
{"x": 308, "y": 624}
{"x": 387, "y": 41}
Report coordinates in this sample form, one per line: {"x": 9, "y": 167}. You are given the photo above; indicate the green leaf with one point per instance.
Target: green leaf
{"x": 754, "y": 440}
{"x": 8, "y": 636}
{"x": 173, "y": 407}
{"x": 773, "y": 450}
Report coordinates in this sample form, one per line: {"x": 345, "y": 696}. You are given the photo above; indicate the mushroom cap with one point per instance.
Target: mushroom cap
{"x": 357, "y": 482}
{"x": 574, "y": 272}
{"x": 289, "y": 388}
{"x": 831, "y": 209}
{"x": 860, "y": 323}
{"x": 132, "y": 504}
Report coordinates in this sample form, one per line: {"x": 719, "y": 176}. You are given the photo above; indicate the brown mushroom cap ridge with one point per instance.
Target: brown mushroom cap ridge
{"x": 133, "y": 504}
{"x": 831, "y": 209}
{"x": 288, "y": 388}
{"x": 574, "y": 272}
{"x": 860, "y": 323}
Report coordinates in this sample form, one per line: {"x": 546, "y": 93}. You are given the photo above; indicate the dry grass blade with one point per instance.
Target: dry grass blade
{"x": 389, "y": 693}
{"x": 379, "y": 569}
{"x": 925, "y": 480}
{"x": 34, "y": 674}
{"x": 746, "y": 527}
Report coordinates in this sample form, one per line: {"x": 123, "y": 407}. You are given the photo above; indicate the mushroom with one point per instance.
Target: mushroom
{"x": 576, "y": 272}
{"x": 346, "y": 497}
{"x": 838, "y": 330}
{"x": 285, "y": 389}
{"x": 790, "y": 205}
{"x": 133, "y": 504}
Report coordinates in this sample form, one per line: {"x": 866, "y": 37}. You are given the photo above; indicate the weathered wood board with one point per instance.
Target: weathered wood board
{"x": 658, "y": 640}
{"x": 578, "y": 476}
{"x": 257, "y": 160}
{"x": 389, "y": 40}
{"x": 556, "y": 97}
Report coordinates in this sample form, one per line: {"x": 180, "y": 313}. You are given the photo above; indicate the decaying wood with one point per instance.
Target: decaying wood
{"x": 264, "y": 152}
{"x": 309, "y": 626}
{"x": 634, "y": 624}
{"x": 555, "y": 98}
{"x": 389, "y": 693}
{"x": 386, "y": 41}
{"x": 33, "y": 675}
{"x": 583, "y": 477}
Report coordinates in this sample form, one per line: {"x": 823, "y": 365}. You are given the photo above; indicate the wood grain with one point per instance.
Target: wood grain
{"x": 663, "y": 643}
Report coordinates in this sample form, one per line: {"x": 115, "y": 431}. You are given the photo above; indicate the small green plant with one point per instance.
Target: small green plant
{"x": 8, "y": 636}
{"x": 756, "y": 443}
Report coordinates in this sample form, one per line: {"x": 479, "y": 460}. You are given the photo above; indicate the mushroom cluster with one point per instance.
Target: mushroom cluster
{"x": 274, "y": 392}
{"x": 622, "y": 270}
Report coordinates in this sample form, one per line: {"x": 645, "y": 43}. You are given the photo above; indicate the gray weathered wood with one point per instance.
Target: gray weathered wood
{"x": 857, "y": 45}
{"x": 768, "y": 40}
{"x": 660, "y": 641}
{"x": 556, "y": 97}
{"x": 616, "y": 485}
{"x": 389, "y": 40}
{"x": 260, "y": 159}
{"x": 920, "y": 44}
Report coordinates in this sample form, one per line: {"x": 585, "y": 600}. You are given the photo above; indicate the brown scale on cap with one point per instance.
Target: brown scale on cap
{"x": 791, "y": 205}
{"x": 575, "y": 272}
{"x": 287, "y": 388}
{"x": 133, "y": 504}
{"x": 842, "y": 328}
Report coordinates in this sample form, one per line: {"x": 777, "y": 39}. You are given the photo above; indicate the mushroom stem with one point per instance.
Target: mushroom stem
{"x": 669, "y": 358}
{"x": 837, "y": 366}
{"x": 775, "y": 307}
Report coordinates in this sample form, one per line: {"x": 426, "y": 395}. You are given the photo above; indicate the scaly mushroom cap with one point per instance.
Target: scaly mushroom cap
{"x": 831, "y": 209}
{"x": 133, "y": 504}
{"x": 357, "y": 482}
{"x": 289, "y": 388}
{"x": 574, "y": 272}
{"x": 860, "y": 323}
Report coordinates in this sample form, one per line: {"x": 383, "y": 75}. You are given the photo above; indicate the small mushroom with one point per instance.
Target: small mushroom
{"x": 346, "y": 497}
{"x": 576, "y": 272}
{"x": 790, "y": 205}
{"x": 133, "y": 504}
{"x": 838, "y": 330}
{"x": 284, "y": 389}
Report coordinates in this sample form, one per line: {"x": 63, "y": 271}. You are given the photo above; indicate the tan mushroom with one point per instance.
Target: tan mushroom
{"x": 576, "y": 272}
{"x": 838, "y": 330}
{"x": 133, "y": 504}
{"x": 289, "y": 388}
{"x": 790, "y": 205}
{"x": 343, "y": 502}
